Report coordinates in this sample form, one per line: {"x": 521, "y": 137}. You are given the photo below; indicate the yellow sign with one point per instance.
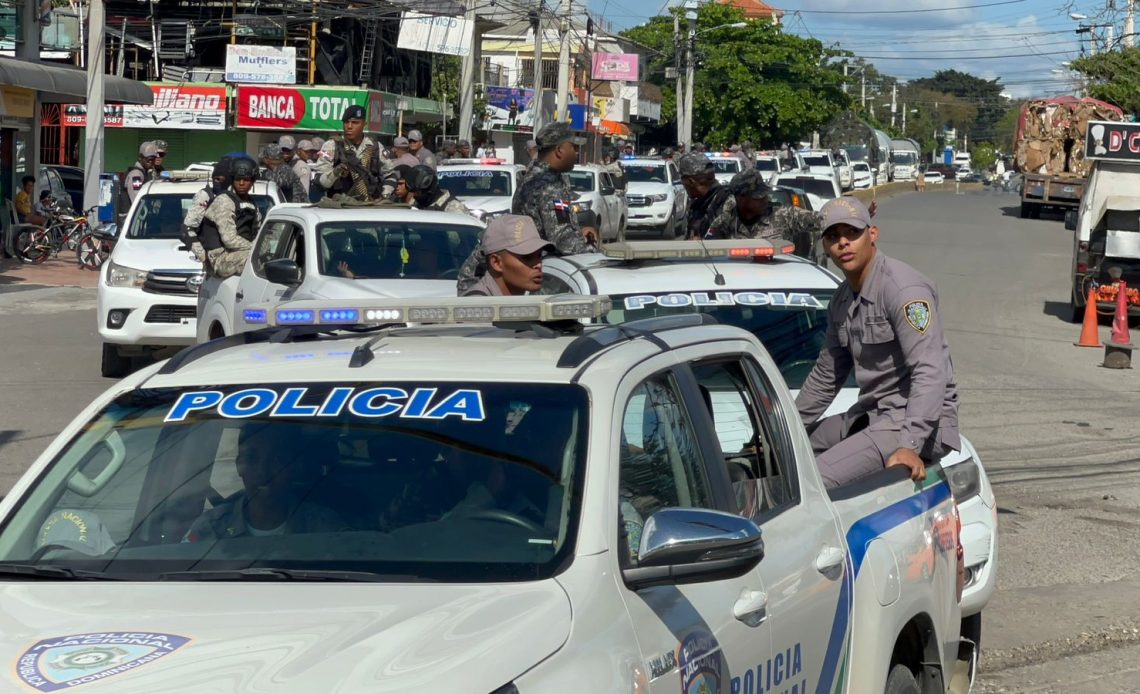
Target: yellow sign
{"x": 17, "y": 102}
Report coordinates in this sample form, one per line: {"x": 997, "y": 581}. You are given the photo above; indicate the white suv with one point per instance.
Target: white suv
{"x": 595, "y": 190}
{"x": 147, "y": 295}
{"x": 726, "y": 166}
{"x": 657, "y": 201}
{"x": 485, "y": 187}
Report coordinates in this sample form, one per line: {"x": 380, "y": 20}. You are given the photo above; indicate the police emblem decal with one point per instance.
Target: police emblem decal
{"x": 918, "y": 315}
{"x": 63, "y": 662}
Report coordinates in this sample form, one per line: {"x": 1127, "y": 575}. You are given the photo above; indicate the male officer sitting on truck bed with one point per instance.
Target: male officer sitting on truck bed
{"x": 884, "y": 323}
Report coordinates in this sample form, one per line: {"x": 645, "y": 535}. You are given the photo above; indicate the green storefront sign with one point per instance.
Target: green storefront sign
{"x": 305, "y": 108}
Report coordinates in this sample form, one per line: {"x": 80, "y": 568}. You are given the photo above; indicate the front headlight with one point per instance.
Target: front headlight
{"x": 964, "y": 479}
{"x": 123, "y": 276}
{"x": 585, "y": 204}
{"x": 659, "y": 197}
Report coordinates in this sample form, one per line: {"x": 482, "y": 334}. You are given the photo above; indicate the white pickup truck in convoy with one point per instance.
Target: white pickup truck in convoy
{"x": 307, "y": 252}
{"x": 570, "y": 516}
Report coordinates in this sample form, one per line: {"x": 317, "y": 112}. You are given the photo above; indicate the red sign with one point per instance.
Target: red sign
{"x": 180, "y": 107}
{"x": 375, "y": 112}
{"x": 296, "y": 108}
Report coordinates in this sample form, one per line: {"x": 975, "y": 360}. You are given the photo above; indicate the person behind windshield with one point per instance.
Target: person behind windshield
{"x": 423, "y": 183}
{"x": 512, "y": 251}
{"x": 747, "y": 214}
{"x": 274, "y": 466}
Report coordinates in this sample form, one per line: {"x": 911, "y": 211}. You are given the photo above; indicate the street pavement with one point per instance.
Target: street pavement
{"x": 1055, "y": 431}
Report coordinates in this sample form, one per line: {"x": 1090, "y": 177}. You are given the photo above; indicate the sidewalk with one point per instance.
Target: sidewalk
{"x": 54, "y": 272}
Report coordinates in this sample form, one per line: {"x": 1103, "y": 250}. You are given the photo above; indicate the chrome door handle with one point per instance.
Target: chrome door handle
{"x": 751, "y": 607}
{"x": 829, "y": 559}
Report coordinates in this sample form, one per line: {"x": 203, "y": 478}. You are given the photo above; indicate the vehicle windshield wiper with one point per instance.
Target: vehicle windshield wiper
{"x": 275, "y": 574}
{"x": 50, "y": 572}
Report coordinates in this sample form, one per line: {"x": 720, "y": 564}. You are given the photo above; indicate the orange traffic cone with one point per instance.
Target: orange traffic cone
{"x": 1120, "y": 320}
{"x": 1090, "y": 335}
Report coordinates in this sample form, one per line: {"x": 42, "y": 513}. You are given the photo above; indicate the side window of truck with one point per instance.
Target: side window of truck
{"x": 661, "y": 465}
{"x": 779, "y": 481}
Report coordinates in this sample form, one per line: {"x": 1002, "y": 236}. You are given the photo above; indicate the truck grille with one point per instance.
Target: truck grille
{"x": 173, "y": 282}
{"x": 170, "y": 314}
{"x": 637, "y": 201}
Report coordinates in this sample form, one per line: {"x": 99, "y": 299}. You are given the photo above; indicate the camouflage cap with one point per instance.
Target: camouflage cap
{"x": 531, "y": 144}
{"x": 695, "y": 164}
{"x": 514, "y": 233}
{"x": 271, "y": 151}
{"x": 555, "y": 134}
{"x": 749, "y": 183}
{"x": 845, "y": 210}
{"x": 160, "y": 145}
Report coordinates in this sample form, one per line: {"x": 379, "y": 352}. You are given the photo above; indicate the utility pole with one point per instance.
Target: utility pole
{"x": 1129, "y": 23}
{"x": 680, "y": 77}
{"x": 93, "y": 146}
{"x": 467, "y": 76}
{"x": 691, "y": 15}
{"x": 844, "y": 78}
{"x": 536, "y": 104}
{"x": 863, "y": 90}
{"x": 894, "y": 101}
{"x": 564, "y": 61}
{"x": 904, "y": 119}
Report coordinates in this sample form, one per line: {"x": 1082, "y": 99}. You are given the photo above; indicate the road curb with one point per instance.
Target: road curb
{"x": 891, "y": 190}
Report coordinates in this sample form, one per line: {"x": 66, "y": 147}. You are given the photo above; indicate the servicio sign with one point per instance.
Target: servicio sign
{"x": 1113, "y": 141}
{"x": 297, "y": 108}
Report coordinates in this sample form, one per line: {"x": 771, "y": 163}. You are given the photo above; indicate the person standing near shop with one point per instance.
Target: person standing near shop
{"x": 423, "y": 154}
{"x": 351, "y": 165}
{"x": 288, "y": 145}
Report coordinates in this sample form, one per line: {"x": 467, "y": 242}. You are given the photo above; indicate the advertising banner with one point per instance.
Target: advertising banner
{"x": 1113, "y": 141}
{"x": 261, "y": 64}
{"x": 510, "y": 107}
{"x": 178, "y": 106}
{"x": 611, "y": 67}
{"x": 298, "y": 108}
{"x": 435, "y": 34}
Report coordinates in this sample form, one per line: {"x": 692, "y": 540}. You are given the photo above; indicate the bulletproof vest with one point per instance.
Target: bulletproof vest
{"x": 190, "y": 234}
{"x": 367, "y": 178}
{"x": 245, "y": 219}
{"x": 703, "y": 211}
{"x": 124, "y": 192}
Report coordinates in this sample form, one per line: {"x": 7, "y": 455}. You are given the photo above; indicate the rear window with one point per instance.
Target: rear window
{"x": 159, "y": 216}
{"x": 767, "y": 165}
{"x": 581, "y": 181}
{"x": 726, "y": 165}
{"x": 815, "y": 186}
{"x": 646, "y": 174}
{"x": 816, "y": 160}
{"x": 476, "y": 183}
{"x": 370, "y": 250}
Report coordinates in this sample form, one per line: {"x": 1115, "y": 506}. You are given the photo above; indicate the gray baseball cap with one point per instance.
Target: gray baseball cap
{"x": 401, "y": 142}
{"x": 415, "y": 136}
{"x": 77, "y": 530}
{"x": 514, "y": 233}
{"x": 695, "y": 164}
{"x": 305, "y": 145}
{"x": 463, "y": 143}
{"x": 147, "y": 149}
{"x": 845, "y": 210}
{"x": 287, "y": 142}
{"x": 555, "y": 134}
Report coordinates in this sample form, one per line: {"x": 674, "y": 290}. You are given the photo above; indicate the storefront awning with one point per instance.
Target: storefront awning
{"x": 61, "y": 84}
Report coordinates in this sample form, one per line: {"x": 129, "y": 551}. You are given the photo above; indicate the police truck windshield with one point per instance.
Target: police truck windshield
{"x": 581, "y": 181}
{"x": 723, "y": 166}
{"x": 451, "y": 482}
{"x": 791, "y": 324}
{"x": 394, "y": 250}
{"x": 646, "y": 173}
{"x": 159, "y": 216}
{"x": 477, "y": 182}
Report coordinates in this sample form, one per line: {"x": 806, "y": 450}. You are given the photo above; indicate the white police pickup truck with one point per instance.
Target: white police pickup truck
{"x": 656, "y": 199}
{"x": 485, "y": 186}
{"x": 147, "y": 294}
{"x": 782, "y": 300}
{"x": 307, "y": 252}
{"x": 553, "y": 512}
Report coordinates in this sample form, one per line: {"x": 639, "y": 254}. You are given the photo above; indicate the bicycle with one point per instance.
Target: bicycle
{"x": 95, "y": 247}
{"x": 34, "y": 246}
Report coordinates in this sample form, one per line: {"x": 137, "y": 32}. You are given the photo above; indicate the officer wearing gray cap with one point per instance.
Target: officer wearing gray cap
{"x": 139, "y": 173}
{"x": 884, "y": 325}
{"x": 512, "y": 250}
{"x": 532, "y": 151}
{"x": 351, "y": 166}
{"x": 401, "y": 153}
{"x": 545, "y": 196}
{"x": 707, "y": 198}
{"x": 424, "y": 155}
{"x": 747, "y": 214}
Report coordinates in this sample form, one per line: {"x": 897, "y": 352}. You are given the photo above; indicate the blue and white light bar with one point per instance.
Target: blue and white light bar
{"x": 716, "y": 248}
{"x": 484, "y": 310}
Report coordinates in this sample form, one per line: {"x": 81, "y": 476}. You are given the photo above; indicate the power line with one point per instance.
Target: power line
{"x": 927, "y": 10}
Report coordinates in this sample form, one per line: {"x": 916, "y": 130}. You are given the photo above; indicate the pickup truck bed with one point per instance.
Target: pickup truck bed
{"x": 1041, "y": 191}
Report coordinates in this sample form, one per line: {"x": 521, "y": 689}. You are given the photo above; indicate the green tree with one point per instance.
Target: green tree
{"x": 983, "y": 156}
{"x": 1113, "y": 76}
{"x": 751, "y": 83}
{"x": 445, "y": 76}
{"x": 985, "y": 96}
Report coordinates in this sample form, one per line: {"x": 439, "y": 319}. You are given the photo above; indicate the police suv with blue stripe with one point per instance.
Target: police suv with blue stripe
{"x": 498, "y": 499}
{"x": 782, "y": 300}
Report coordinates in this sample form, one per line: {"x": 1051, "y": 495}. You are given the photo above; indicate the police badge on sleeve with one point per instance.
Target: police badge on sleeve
{"x": 918, "y": 315}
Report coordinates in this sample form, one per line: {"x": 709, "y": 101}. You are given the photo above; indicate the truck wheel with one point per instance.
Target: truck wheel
{"x": 670, "y": 231}
{"x": 1076, "y": 311}
{"x": 1026, "y": 210}
{"x": 901, "y": 681}
{"x": 114, "y": 364}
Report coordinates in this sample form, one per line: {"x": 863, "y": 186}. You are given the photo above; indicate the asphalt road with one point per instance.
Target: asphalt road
{"x": 1056, "y": 432}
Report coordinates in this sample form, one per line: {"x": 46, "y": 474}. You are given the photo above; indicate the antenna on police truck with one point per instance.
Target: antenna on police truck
{"x": 718, "y": 278}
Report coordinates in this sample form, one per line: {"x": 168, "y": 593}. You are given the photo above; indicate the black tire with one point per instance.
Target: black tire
{"x": 669, "y": 232}
{"x": 1026, "y": 210}
{"x": 901, "y": 681}
{"x": 1076, "y": 310}
{"x": 32, "y": 246}
{"x": 114, "y": 364}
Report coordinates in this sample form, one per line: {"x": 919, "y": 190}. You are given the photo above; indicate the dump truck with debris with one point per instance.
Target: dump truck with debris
{"x": 1048, "y": 148}
{"x": 860, "y": 141}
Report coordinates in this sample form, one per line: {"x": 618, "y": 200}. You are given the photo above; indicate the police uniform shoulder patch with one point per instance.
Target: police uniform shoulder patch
{"x": 917, "y": 314}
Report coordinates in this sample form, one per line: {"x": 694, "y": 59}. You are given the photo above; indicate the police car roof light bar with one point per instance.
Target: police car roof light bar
{"x": 514, "y": 309}
{"x": 176, "y": 176}
{"x": 714, "y": 248}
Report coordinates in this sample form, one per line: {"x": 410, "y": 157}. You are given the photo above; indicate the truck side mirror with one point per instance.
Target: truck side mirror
{"x": 1071, "y": 220}
{"x": 686, "y": 545}
{"x": 284, "y": 271}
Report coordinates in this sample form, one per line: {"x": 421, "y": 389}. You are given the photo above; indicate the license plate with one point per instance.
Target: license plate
{"x": 1068, "y": 189}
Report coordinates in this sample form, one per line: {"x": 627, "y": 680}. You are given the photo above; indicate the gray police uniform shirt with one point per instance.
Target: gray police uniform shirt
{"x": 228, "y": 520}
{"x": 427, "y": 158}
{"x": 304, "y": 175}
{"x": 891, "y": 335}
{"x": 486, "y": 286}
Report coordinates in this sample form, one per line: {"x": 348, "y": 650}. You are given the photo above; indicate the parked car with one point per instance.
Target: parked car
{"x": 47, "y": 178}
{"x": 72, "y": 177}
{"x": 596, "y": 192}
{"x": 935, "y": 177}
{"x": 726, "y": 166}
{"x": 769, "y": 165}
{"x": 864, "y": 176}
{"x": 819, "y": 187}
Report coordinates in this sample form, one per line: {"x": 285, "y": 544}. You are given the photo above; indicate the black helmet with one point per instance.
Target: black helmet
{"x": 222, "y": 168}
{"x": 421, "y": 179}
{"x": 244, "y": 168}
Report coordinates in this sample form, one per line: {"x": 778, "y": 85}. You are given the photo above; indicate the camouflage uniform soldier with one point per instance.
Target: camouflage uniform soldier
{"x": 707, "y": 197}
{"x": 231, "y": 223}
{"x": 545, "y": 196}
{"x": 198, "y": 206}
{"x": 352, "y": 167}
{"x": 423, "y": 184}
{"x": 747, "y": 214}
{"x": 283, "y": 175}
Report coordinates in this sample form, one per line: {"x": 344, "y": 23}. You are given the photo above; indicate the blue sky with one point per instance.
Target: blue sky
{"x": 1023, "y": 42}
